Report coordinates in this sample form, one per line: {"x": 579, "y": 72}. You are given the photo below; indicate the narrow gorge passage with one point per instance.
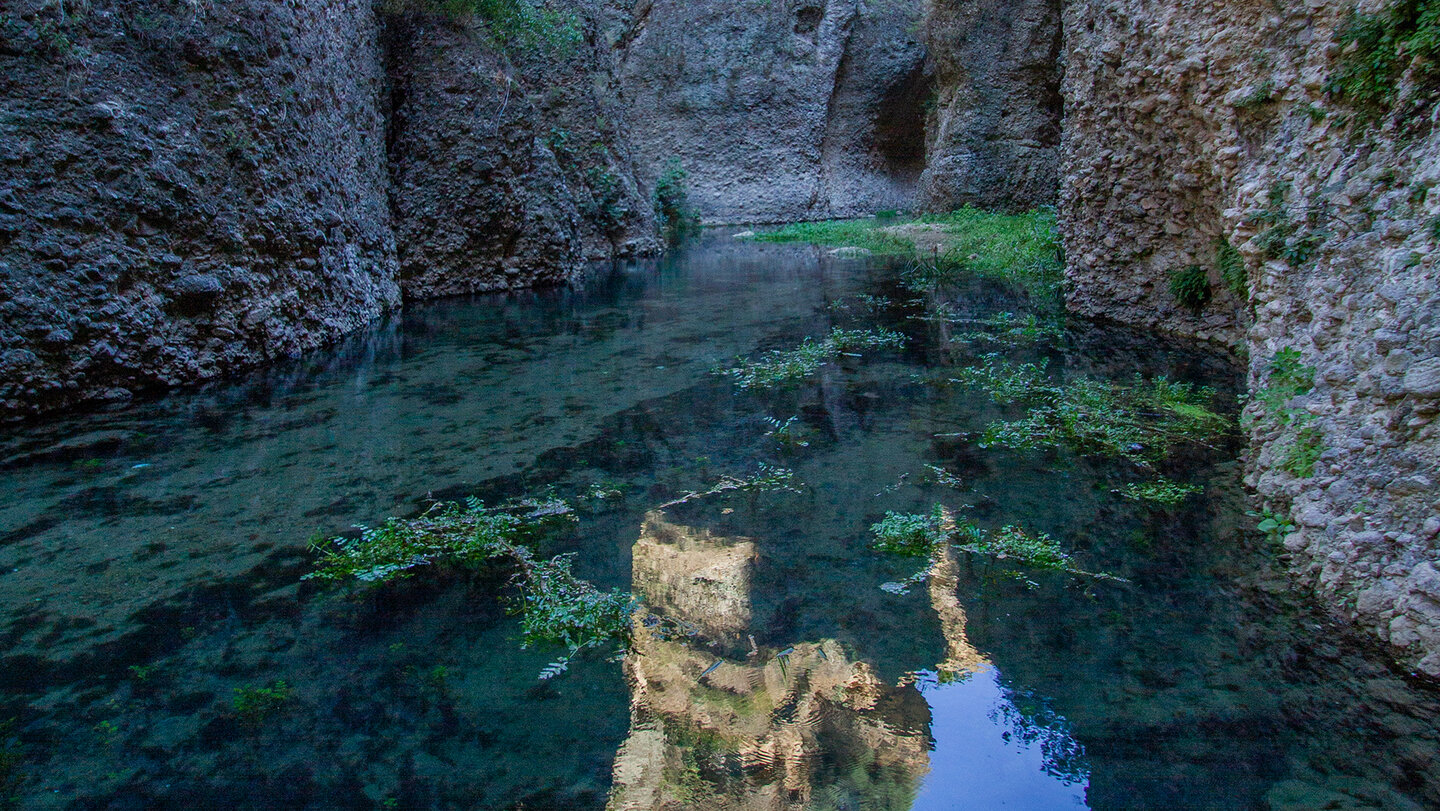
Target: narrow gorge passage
{"x": 728, "y": 404}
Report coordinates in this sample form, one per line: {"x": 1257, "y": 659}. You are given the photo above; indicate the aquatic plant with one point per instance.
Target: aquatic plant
{"x": 916, "y": 535}
{"x": 255, "y": 704}
{"x": 1009, "y": 329}
{"x": 554, "y": 606}
{"x": 1190, "y": 286}
{"x": 779, "y": 367}
{"x": 787, "y": 434}
{"x": 1162, "y": 491}
{"x": 908, "y": 533}
{"x": 1141, "y": 421}
{"x": 769, "y": 479}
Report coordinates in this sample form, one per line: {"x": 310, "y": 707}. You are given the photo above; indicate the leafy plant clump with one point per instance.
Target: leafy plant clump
{"x": 1380, "y": 48}
{"x": 1300, "y": 453}
{"x": 910, "y": 534}
{"x": 1289, "y": 378}
{"x": 518, "y": 27}
{"x": 1232, "y": 268}
{"x": 919, "y": 535}
{"x": 1190, "y": 287}
{"x": 1009, "y": 329}
{"x": 255, "y": 704}
{"x": 1283, "y": 237}
{"x": 788, "y": 367}
{"x": 553, "y": 604}
{"x": 1140, "y": 422}
{"x": 672, "y": 203}
{"x": 1161, "y": 491}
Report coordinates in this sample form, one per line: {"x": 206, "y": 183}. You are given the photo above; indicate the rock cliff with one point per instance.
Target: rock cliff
{"x": 993, "y": 127}
{"x": 187, "y": 188}
{"x": 1203, "y": 147}
{"x": 779, "y": 111}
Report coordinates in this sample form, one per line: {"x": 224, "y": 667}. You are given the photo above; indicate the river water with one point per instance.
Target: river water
{"x": 151, "y": 564}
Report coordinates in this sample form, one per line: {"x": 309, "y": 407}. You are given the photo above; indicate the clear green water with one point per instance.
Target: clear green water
{"x": 151, "y": 562}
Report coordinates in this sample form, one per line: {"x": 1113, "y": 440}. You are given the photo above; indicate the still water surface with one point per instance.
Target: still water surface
{"x": 151, "y": 562}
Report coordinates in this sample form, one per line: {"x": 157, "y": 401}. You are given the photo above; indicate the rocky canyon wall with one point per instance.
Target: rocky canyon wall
{"x": 1203, "y": 152}
{"x": 778, "y": 111}
{"x": 187, "y": 187}
{"x": 993, "y": 123}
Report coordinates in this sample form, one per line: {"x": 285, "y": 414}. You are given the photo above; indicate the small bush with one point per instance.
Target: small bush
{"x": 1190, "y": 287}
{"x": 1300, "y": 453}
{"x": 672, "y": 202}
{"x": 255, "y": 704}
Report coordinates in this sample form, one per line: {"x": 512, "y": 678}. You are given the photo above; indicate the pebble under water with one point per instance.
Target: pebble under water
{"x": 161, "y": 650}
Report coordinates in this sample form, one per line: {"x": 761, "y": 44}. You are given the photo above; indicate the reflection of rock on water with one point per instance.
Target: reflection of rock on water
{"x": 809, "y": 728}
{"x": 692, "y": 576}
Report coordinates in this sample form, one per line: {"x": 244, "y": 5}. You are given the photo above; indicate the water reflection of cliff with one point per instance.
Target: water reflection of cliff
{"x": 802, "y": 727}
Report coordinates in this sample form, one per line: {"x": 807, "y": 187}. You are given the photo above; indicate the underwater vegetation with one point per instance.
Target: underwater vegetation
{"x": 786, "y": 367}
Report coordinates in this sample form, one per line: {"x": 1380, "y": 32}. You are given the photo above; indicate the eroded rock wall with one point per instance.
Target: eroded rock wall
{"x": 187, "y": 188}
{"x": 993, "y": 124}
{"x": 511, "y": 169}
{"x": 778, "y": 111}
{"x": 1191, "y": 126}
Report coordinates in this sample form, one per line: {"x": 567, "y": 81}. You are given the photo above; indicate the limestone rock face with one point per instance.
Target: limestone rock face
{"x": 993, "y": 130}
{"x": 186, "y": 189}
{"x": 509, "y": 170}
{"x": 778, "y": 111}
{"x": 1189, "y": 124}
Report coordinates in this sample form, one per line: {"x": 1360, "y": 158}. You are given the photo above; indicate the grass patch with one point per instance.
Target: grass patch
{"x": 1022, "y": 249}
{"x": 1140, "y": 421}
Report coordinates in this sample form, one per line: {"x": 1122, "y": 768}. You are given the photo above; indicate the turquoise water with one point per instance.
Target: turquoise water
{"x": 151, "y": 562}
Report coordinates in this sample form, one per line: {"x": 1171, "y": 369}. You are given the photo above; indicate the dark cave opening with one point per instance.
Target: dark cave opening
{"x": 900, "y": 123}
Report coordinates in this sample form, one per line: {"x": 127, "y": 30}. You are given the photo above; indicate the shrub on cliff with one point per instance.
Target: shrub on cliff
{"x": 672, "y": 202}
{"x": 517, "y": 26}
{"x": 1379, "y": 49}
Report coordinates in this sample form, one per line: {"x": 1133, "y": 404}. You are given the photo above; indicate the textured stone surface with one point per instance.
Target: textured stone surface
{"x": 993, "y": 130}
{"x": 778, "y": 111}
{"x": 506, "y": 175}
{"x": 1186, "y": 122}
{"x": 186, "y": 188}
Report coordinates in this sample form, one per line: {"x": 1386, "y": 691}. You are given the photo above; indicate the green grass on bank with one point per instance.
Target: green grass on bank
{"x": 1020, "y": 248}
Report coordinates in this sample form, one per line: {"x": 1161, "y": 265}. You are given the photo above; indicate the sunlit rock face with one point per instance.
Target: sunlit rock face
{"x": 778, "y": 111}
{"x": 1187, "y": 124}
{"x": 771, "y": 729}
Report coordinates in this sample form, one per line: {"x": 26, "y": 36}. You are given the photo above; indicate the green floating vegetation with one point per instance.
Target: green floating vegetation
{"x": 790, "y": 366}
{"x": 553, "y": 604}
{"x": 1162, "y": 491}
{"x": 1191, "y": 287}
{"x": 921, "y": 534}
{"x": 1379, "y": 49}
{"x": 1009, "y": 329}
{"x": 1140, "y": 422}
{"x": 1022, "y": 249}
